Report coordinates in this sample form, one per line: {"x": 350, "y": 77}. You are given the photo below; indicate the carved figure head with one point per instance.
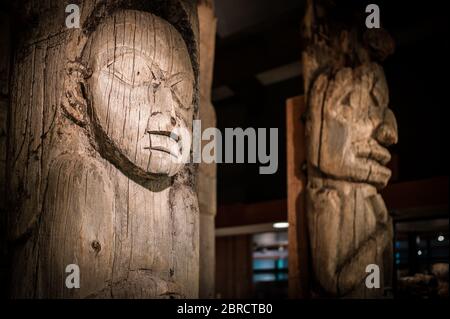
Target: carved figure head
{"x": 351, "y": 125}
{"x": 142, "y": 88}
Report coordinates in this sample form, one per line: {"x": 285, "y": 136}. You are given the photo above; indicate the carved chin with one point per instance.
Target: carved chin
{"x": 141, "y": 161}
{"x": 163, "y": 162}
{"x": 378, "y": 175}
{"x": 369, "y": 171}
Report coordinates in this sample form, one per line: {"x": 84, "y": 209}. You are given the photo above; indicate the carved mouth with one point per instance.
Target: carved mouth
{"x": 161, "y": 149}
{"x": 375, "y": 152}
{"x": 381, "y": 162}
{"x": 170, "y": 135}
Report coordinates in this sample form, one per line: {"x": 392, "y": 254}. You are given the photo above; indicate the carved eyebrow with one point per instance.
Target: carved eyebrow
{"x": 177, "y": 78}
{"x": 112, "y": 55}
{"x": 376, "y": 94}
{"x": 374, "y": 98}
{"x": 109, "y": 56}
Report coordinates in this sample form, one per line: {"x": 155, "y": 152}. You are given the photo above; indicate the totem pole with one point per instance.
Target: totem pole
{"x": 95, "y": 176}
{"x": 348, "y": 127}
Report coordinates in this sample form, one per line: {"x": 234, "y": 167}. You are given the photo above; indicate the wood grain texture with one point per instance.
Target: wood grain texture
{"x": 207, "y": 172}
{"x": 348, "y": 128}
{"x": 5, "y": 50}
{"x": 91, "y": 180}
{"x": 5, "y": 54}
{"x": 234, "y": 267}
{"x": 296, "y": 203}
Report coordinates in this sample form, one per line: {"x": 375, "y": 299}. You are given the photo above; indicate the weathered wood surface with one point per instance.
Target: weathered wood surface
{"x": 349, "y": 126}
{"x": 5, "y": 49}
{"x": 207, "y": 180}
{"x": 296, "y": 188}
{"x": 91, "y": 176}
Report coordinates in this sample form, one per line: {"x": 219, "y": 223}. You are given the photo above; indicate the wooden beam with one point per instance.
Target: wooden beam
{"x": 404, "y": 196}
{"x": 234, "y": 267}
{"x": 207, "y": 172}
{"x": 296, "y": 185}
{"x": 417, "y": 199}
{"x": 248, "y": 214}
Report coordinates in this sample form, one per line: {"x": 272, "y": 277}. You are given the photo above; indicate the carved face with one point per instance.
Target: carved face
{"x": 142, "y": 89}
{"x": 351, "y": 125}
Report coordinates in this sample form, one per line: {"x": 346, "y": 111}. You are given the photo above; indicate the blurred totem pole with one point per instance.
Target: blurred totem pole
{"x": 349, "y": 125}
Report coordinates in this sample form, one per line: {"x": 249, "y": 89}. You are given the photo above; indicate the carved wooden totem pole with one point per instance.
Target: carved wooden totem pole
{"x": 95, "y": 177}
{"x": 348, "y": 127}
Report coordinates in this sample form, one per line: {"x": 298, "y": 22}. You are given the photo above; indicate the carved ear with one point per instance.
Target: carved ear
{"x": 74, "y": 100}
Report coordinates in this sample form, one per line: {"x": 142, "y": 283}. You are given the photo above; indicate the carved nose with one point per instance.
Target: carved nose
{"x": 161, "y": 100}
{"x": 159, "y": 121}
{"x": 386, "y": 134}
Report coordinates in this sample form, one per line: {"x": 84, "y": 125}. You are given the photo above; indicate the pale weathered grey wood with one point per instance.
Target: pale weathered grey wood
{"x": 91, "y": 181}
{"x": 349, "y": 125}
{"x": 207, "y": 180}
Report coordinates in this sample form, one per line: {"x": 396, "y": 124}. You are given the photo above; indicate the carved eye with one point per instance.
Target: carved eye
{"x": 182, "y": 89}
{"x": 131, "y": 69}
{"x": 346, "y": 101}
{"x": 375, "y": 100}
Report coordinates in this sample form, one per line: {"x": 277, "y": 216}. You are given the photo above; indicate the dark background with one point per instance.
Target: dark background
{"x": 256, "y": 36}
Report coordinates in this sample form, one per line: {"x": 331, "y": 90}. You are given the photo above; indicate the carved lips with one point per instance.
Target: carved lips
{"x": 372, "y": 159}
{"x": 373, "y": 151}
{"x": 164, "y": 141}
